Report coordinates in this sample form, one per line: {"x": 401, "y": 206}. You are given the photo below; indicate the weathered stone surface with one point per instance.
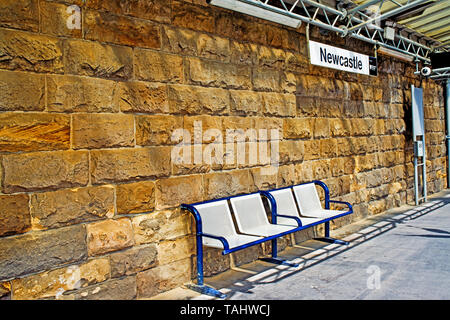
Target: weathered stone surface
{"x": 109, "y": 235}
{"x": 163, "y": 278}
{"x": 14, "y": 214}
{"x": 213, "y": 47}
{"x": 48, "y": 170}
{"x": 143, "y": 97}
{"x": 172, "y": 192}
{"x": 32, "y": 52}
{"x": 157, "y": 130}
{"x": 276, "y": 104}
{"x": 166, "y": 224}
{"x": 71, "y": 206}
{"x": 244, "y": 53}
{"x": 321, "y": 128}
{"x": 114, "y": 289}
{"x": 95, "y": 130}
{"x": 156, "y": 10}
{"x": 198, "y": 100}
{"x": 34, "y": 132}
{"x": 218, "y": 74}
{"x": 56, "y": 282}
{"x": 81, "y": 94}
{"x": 133, "y": 260}
{"x": 266, "y": 80}
{"x": 135, "y": 197}
{"x": 245, "y": 102}
{"x": 121, "y": 165}
{"x": 106, "y": 27}
{"x": 179, "y": 40}
{"x": 94, "y": 59}
{"x": 41, "y": 250}
{"x": 224, "y": 184}
{"x": 175, "y": 250}
{"x": 296, "y": 128}
{"x": 5, "y": 290}
{"x": 157, "y": 66}
{"x": 20, "y": 14}
{"x": 57, "y": 19}
{"x": 12, "y": 88}
{"x": 192, "y": 16}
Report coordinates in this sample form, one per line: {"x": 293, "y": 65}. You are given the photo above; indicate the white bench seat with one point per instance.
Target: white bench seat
{"x": 251, "y": 217}
{"x": 216, "y": 220}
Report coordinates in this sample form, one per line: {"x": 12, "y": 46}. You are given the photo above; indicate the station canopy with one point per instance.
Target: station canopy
{"x": 413, "y": 30}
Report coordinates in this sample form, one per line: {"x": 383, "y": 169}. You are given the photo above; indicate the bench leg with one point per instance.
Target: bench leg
{"x": 329, "y": 239}
{"x": 200, "y": 286}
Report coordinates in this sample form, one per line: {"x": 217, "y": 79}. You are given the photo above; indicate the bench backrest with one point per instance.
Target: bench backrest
{"x": 285, "y": 203}
{"x": 249, "y": 211}
{"x": 216, "y": 218}
{"x": 307, "y": 198}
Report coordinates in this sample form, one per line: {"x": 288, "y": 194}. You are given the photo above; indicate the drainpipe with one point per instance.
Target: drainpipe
{"x": 447, "y": 118}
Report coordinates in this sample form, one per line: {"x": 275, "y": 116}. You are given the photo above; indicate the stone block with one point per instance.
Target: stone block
{"x": 157, "y": 130}
{"x": 143, "y": 97}
{"x": 243, "y": 53}
{"x": 174, "y": 250}
{"x": 20, "y": 14}
{"x": 162, "y": 278}
{"x": 133, "y": 260}
{"x": 296, "y": 128}
{"x": 55, "y": 20}
{"x": 222, "y": 184}
{"x": 41, "y": 250}
{"x": 114, "y": 289}
{"x": 204, "y": 129}
{"x": 81, "y": 94}
{"x": 71, "y": 206}
{"x": 122, "y": 165}
{"x": 53, "y": 284}
{"x": 197, "y": 100}
{"x": 270, "y": 57}
{"x": 218, "y": 74}
{"x": 277, "y": 104}
{"x": 156, "y": 10}
{"x": 312, "y": 149}
{"x": 161, "y": 225}
{"x": 88, "y": 58}
{"x": 98, "y": 130}
{"x": 191, "y": 16}
{"x": 34, "y": 132}
{"x": 109, "y": 235}
{"x": 46, "y": 170}
{"x": 13, "y": 85}
{"x": 107, "y": 27}
{"x": 266, "y": 80}
{"x": 14, "y": 214}
{"x": 179, "y": 40}
{"x": 213, "y": 47}
{"x": 157, "y": 66}
{"x": 30, "y": 52}
{"x": 321, "y": 128}
{"x": 328, "y": 148}
{"x": 135, "y": 197}
{"x": 174, "y": 191}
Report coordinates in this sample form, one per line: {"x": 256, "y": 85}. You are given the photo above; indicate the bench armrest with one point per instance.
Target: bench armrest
{"x": 299, "y": 222}
{"x": 343, "y": 202}
{"x": 224, "y": 241}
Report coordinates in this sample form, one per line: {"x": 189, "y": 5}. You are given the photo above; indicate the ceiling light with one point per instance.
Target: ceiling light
{"x": 256, "y": 9}
{"x": 395, "y": 54}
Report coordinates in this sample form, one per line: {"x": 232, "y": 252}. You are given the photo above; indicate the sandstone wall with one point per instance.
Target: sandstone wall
{"x": 90, "y": 195}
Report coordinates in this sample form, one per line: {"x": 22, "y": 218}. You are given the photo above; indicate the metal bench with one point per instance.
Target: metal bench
{"x": 215, "y": 227}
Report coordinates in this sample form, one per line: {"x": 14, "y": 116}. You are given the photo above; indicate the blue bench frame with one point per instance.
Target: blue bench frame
{"x": 202, "y": 288}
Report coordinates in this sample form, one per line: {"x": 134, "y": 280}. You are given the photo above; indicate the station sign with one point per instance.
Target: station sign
{"x": 336, "y": 58}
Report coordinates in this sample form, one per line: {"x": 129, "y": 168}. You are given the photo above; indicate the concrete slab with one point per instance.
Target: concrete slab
{"x": 402, "y": 254}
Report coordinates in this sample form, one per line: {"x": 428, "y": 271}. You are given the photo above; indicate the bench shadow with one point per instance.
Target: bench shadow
{"x": 309, "y": 253}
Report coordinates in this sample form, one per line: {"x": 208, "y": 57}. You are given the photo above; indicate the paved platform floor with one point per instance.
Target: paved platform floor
{"x": 403, "y": 254}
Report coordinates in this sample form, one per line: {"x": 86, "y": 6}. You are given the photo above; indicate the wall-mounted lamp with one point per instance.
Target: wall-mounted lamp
{"x": 395, "y": 54}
